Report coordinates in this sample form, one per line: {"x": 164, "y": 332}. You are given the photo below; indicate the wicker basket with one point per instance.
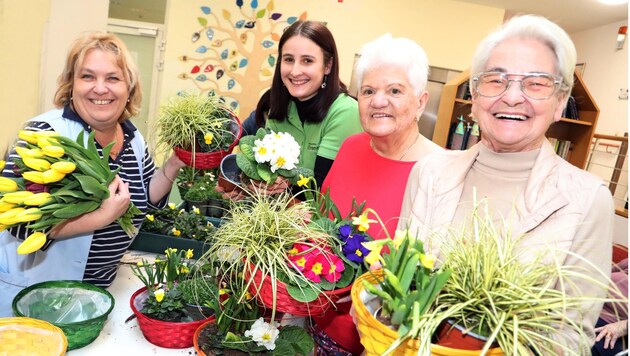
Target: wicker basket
{"x": 263, "y": 291}
{"x": 208, "y": 160}
{"x": 80, "y": 333}
{"x": 170, "y": 335}
{"x": 376, "y": 336}
{"x": 31, "y": 337}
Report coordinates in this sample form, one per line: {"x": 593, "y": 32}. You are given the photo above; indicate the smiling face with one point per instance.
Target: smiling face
{"x": 99, "y": 91}
{"x": 302, "y": 67}
{"x": 387, "y": 104}
{"x": 512, "y": 122}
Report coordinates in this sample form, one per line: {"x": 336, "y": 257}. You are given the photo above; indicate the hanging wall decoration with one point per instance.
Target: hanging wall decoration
{"x": 239, "y": 45}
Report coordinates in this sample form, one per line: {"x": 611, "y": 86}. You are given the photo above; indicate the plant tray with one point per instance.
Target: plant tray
{"x": 158, "y": 243}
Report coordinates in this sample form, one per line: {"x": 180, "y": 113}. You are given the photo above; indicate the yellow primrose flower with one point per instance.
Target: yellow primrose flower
{"x": 34, "y": 176}
{"x": 28, "y": 136}
{"x": 8, "y": 185}
{"x": 159, "y": 295}
{"x": 64, "y": 167}
{"x": 37, "y": 164}
{"x": 428, "y": 261}
{"x": 189, "y": 253}
{"x": 54, "y": 151}
{"x": 303, "y": 181}
{"x": 150, "y": 217}
{"x": 208, "y": 138}
{"x": 362, "y": 221}
{"x": 52, "y": 176}
{"x": 171, "y": 206}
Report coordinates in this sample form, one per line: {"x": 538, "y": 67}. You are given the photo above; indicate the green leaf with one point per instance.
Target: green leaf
{"x": 299, "y": 339}
{"x": 302, "y": 294}
{"x": 202, "y": 21}
{"x": 248, "y": 151}
{"x": 264, "y": 172}
{"x": 260, "y": 134}
{"x": 247, "y": 167}
{"x": 92, "y": 186}
{"x": 261, "y": 13}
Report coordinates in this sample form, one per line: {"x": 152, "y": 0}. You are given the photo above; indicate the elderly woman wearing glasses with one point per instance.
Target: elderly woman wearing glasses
{"x": 522, "y": 75}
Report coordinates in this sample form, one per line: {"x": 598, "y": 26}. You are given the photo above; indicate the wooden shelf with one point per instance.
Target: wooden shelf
{"x": 579, "y": 132}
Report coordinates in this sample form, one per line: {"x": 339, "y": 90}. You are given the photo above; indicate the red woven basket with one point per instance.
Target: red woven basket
{"x": 285, "y": 303}
{"x": 207, "y": 160}
{"x": 166, "y": 334}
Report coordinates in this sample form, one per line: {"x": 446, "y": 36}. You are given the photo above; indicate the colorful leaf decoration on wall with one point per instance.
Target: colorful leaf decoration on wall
{"x": 206, "y": 10}
{"x": 275, "y": 36}
{"x": 202, "y": 21}
{"x": 303, "y": 16}
{"x": 226, "y": 15}
{"x": 224, "y": 54}
{"x": 239, "y": 23}
{"x": 254, "y": 4}
{"x": 210, "y": 33}
{"x": 195, "y": 37}
{"x": 239, "y": 3}
{"x": 233, "y": 53}
{"x": 267, "y": 43}
{"x": 195, "y": 69}
{"x": 209, "y": 68}
{"x": 201, "y": 49}
{"x": 271, "y": 60}
{"x": 250, "y": 24}
{"x": 234, "y": 66}
{"x": 201, "y": 78}
{"x": 219, "y": 73}
{"x": 275, "y": 16}
{"x": 243, "y": 38}
{"x": 231, "y": 83}
{"x": 266, "y": 72}
{"x": 291, "y": 20}
{"x": 242, "y": 63}
{"x": 261, "y": 13}
{"x": 217, "y": 43}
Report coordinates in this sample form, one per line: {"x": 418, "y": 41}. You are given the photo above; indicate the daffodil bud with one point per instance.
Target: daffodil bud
{"x": 34, "y": 176}
{"x": 37, "y": 164}
{"x": 16, "y": 197}
{"x": 30, "y": 214}
{"x": 8, "y": 185}
{"x": 8, "y": 217}
{"x": 28, "y": 136}
{"x": 38, "y": 199}
{"x": 54, "y": 151}
{"x": 6, "y": 206}
{"x": 33, "y": 242}
{"x": 52, "y": 176}
{"x": 64, "y": 167}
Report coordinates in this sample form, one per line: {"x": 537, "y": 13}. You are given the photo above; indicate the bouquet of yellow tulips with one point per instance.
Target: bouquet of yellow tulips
{"x": 61, "y": 179}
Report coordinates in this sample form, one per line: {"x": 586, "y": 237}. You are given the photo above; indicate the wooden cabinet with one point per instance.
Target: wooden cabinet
{"x": 578, "y": 132}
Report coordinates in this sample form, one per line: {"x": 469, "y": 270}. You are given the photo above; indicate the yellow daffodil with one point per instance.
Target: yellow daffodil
{"x": 362, "y": 221}
{"x": 428, "y": 261}
{"x": 28, "y": 136}
{"x": 150, "y": 217}
{"x": 38, "y": 199}
{"x": 34, "y": 176}
{"x": 7, "y": 185}
{"x": 399, "y": 237}
{"x": 208, "y": 138}
{"x": 159, "y": 295}
{"x": 375, "y": 248}
{"x": 64, "y": 167}
{"x": 17, "y": 197}
{"x": 184, "y": 269}
{"x": 37, "y": 164}
{"x": 303, "y": 181}
{"x": 54, "y": 151}
{"x": 32, "y": 243}
{"x": 52, "y": 176}
{"x": 190, "y": 253}
{"x": 140, "y": 264}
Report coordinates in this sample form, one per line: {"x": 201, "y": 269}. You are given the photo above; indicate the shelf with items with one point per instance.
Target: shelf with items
{"x": 454, "y": 104}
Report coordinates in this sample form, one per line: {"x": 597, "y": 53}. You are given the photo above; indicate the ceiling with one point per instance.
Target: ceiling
{"x": 571, "y": 15}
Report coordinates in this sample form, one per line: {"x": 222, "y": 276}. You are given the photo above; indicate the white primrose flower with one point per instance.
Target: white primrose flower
{"x": 264, "y": 334}
{"x": 262, "y": 151}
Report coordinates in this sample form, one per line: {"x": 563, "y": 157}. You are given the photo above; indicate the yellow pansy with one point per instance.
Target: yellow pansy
{"x": 159, "y": 295}
{"x": 150, "y": 217}
{"x": 208, "y": 138}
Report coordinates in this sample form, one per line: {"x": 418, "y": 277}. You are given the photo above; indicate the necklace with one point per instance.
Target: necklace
{"x": 113, "y": 153}
{"x": 408, "y": 148}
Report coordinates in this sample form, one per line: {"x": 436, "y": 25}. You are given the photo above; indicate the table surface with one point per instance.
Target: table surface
{"x": 119, "y": 338}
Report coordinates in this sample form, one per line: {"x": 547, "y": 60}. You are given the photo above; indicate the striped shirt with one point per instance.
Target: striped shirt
{"x": 110, "y": 243}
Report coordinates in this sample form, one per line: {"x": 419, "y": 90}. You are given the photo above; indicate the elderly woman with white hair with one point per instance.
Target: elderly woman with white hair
{"x": 522, "y": 75}
{"x": 373, "y": 166}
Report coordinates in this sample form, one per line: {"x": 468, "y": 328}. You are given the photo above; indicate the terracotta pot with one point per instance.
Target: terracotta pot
{"x": 451, "y": 335}
{"x": 171, "y": 335}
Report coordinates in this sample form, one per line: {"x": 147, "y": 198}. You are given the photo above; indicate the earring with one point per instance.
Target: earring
{"x": 417, "y": 118}
{"x": 324, "y": 82}
{"x": 128, "y": 100}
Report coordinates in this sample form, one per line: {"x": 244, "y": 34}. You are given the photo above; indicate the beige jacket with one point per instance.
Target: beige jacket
{"x": 563, "y": 206}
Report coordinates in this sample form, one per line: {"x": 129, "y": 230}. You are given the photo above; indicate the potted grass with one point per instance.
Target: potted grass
{"x": 199, "y": 127}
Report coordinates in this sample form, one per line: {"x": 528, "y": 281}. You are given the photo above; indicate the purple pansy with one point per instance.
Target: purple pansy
{"x": 354, "y": 250}
{"x": 344, "y": 232}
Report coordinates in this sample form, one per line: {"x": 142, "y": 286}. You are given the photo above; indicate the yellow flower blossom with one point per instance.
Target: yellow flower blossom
{"x": 6, "y": 206}
{"x": 64, "y": 167}
{"x": 208, "y": 138}
{"x": 303, "y": 181}
{"x": 196, "y": 210}
{"x": 171, "y": 206}
{"x": 150, "y": 217}
{"x": 362, "y": 221}
{"x": 28, "y": 136}
{"x": 34, "y": 176}
{"x": 8, "y": 185}
{"x": 52, "y": 176}
{"x": 37, "y": 164}
{"x": 53, "y": 151}
{"x": 428, "y": 261}
{"x": 190, "y": 253}
{"x": 2, "y": 164}
{"x": 17, "y": 197}
{"x": 159, "y": 295}
{"x": 38, "y": 199}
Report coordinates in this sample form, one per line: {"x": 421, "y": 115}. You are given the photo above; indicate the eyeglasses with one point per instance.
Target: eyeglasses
{"x": 537, "y": 86}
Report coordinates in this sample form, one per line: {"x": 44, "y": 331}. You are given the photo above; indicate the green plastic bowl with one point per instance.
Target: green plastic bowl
{"x": 78, "y": 333}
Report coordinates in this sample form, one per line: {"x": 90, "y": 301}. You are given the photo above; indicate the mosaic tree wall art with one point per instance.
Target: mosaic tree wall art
{"x": 236, "y": 51}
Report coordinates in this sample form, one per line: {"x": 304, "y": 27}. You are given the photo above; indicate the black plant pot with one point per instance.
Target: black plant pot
{"x": 215, "y": 208}
{"x": 199, "y": 204}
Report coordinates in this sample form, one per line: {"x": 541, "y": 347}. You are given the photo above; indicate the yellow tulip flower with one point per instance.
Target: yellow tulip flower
{"x": 17, "y": 197}
{"x": 46, "y": 134}
{"x": 28, "y": 215}
{"x": 8, "y": 217}
{"x": 38, "y": 199}
{"x": 52, "y": 176}
{"x": 33, "y": 242}
{"x": 54, "y": 151}
{"x": 2, "y": 164}
{"x": 8, "y": 185}
{"x": 5, "y": 206}
{"x": 28, "y": 136}
{"x": 34, "y": 176}
{"x": 44, "y": 142}
{"x": 29, "y": 152}
{"x": 64, "y": 167}
{"x": 37, "y": 164}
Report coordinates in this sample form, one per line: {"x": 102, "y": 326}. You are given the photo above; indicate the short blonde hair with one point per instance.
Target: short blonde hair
{"x": 105, "y": 42}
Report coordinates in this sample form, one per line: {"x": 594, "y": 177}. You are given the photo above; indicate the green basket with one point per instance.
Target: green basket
{"x": 78, "y": 333}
